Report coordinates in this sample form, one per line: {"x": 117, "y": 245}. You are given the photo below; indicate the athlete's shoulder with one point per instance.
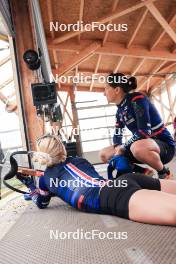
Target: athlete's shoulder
{"x": 136, "y": 96}
{"x": 76, "y": 160}
{"x": 54, "y": 170}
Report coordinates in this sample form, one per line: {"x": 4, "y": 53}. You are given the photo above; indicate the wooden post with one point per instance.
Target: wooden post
{"x": 75, "y": 119}
{"x": 25, "y": 40}
{"x": 169, "y": 98}
{"x": 172, "y": 114}
{"x": 162, "y": 108}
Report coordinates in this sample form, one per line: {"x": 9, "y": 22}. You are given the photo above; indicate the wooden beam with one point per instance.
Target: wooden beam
{"x": 55, "y": 57}
{"x": 4, "y": 84}
{"x": 25, "y": 40}
{"x": 148, "y": 85}
{"x": 166, "y": 68}
{"x": 156, "y": 87}
{"x": 155, "y": 70}
{"x": 76, "y": 70}
{"x": 140, "y": 21}
{"x": 50, "y": 15}
{"x": 50, "y": 18}
{"x": 65, "y": 109}
{"x": 161, "y": 33}
{"x": 104, "y": 20}
{"x": 173, "y": 49}
{"x": 119, "y": 64}
{"x": 68, "y": 46}
{"x": 115, "y": 3}
{"x": 171, "y": 113}
{"x": 64, "y": 88}
{"x": 96, "y": 70}
{"x": 3, "y": 98}
{"x": 10, "y": 106}
{"x": 138, "y": 66}
{"x": 75, "y": 120}
{"x": 168, "y": 87}
{"x": 162, "y": 108}
{"x": 77, "y": 59}
{"x": 157, "y": 83}
{"x": 83, "y": 72}
{"x": 3, "y": 61}
{"x": 157, "y": 15}
{"x": 81, "y": 12}
{"x": 113, "y": 49}
{"x": 4, "y": 38}
{"x": 87, "y": 72}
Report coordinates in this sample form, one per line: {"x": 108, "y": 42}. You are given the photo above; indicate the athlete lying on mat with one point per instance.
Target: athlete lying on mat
{"x": 132, "y": 196}
{"x": 151, "y": 143}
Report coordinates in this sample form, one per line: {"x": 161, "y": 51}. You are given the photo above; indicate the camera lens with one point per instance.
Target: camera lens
{"x": 32, "y": 59}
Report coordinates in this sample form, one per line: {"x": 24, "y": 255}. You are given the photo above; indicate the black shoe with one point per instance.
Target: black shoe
{"x": 165, "y": 174}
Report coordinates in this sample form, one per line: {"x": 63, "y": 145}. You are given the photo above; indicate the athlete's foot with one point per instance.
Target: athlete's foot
{"x": 165, "y": 174}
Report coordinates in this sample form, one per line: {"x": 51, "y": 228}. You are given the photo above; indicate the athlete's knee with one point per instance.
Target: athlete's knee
{"x": 141, "y": 147}
{"x": 171, "y": 217}
{"x": 137, "y": 149}
{"x": 169, "y": 214}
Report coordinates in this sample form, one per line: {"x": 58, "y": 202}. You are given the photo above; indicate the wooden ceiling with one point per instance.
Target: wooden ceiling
{"x": 148, "y": 46}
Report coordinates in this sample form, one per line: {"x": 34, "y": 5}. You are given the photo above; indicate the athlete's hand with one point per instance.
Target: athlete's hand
{"x": 119, "y": 150}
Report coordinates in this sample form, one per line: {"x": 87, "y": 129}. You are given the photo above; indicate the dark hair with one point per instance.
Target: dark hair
{"x": 127, "y": 84}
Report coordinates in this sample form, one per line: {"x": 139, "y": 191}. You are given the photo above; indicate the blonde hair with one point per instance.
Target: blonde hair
{"x": 50, "y": 151}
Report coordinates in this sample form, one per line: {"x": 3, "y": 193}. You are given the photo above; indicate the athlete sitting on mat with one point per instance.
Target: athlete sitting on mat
{"x": 151, "y": 142}
{"x": 132, "y": 196}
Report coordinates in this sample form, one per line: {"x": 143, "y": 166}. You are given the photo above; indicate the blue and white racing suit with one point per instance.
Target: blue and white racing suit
{"x": 141, "y": 117}
{"x": 75, "y": 181}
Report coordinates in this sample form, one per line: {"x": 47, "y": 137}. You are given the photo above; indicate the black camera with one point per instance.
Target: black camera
{"x": 44, "y": 93}
{"x": 32, "y": 59}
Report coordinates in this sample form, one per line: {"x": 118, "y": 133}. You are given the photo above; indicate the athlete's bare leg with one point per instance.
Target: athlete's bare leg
{"x": 153, "y": 207}
{"x": 106, "y": 153}
{"x": 148, "y": 152}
